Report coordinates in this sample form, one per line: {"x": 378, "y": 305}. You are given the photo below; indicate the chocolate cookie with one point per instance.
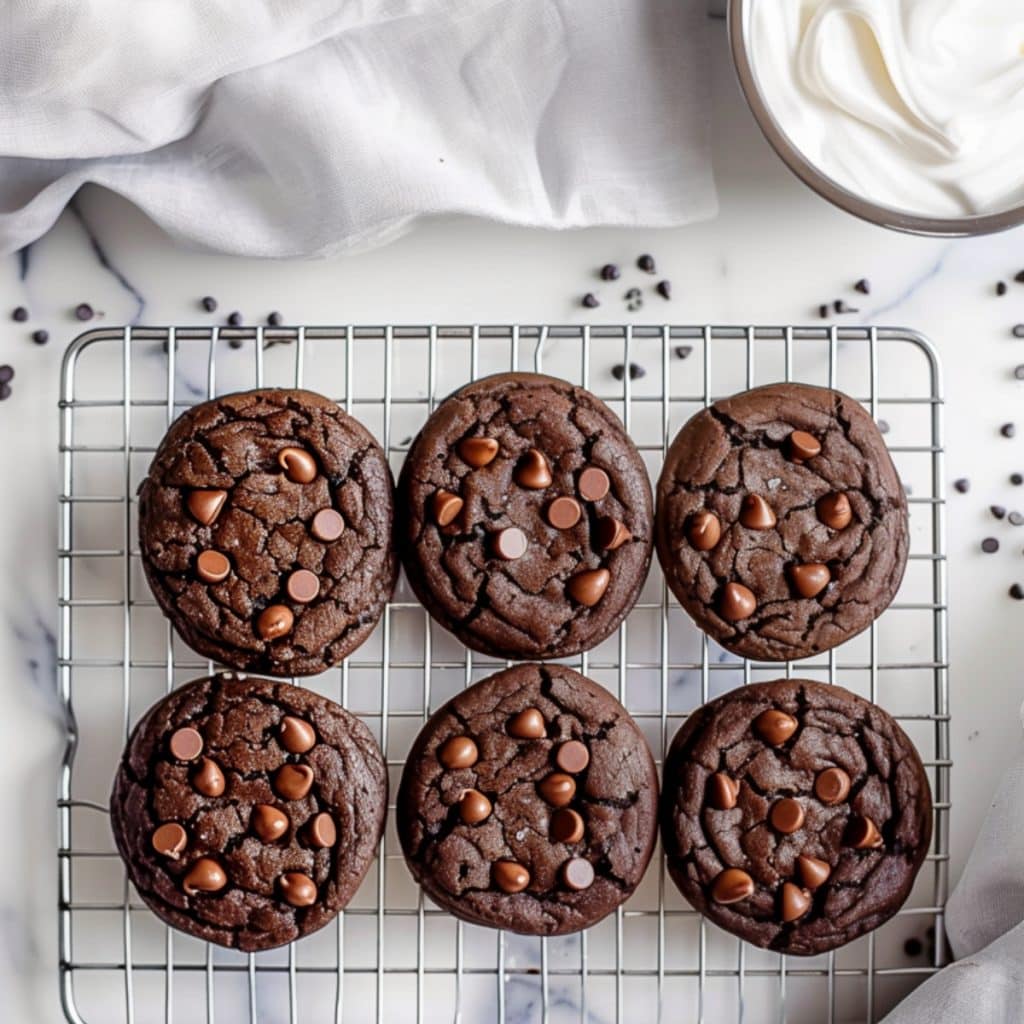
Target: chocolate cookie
{"x": 782, "y": 525}
{"x": 795, "y": 815}
{"x": 247, "y": 811}
{"x": 527, "y": 526}
{"x": 529, "y": 802}
{"x": 265, "y": 525}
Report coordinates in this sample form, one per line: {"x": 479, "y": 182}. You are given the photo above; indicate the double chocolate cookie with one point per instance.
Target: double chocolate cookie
{"x": 782, "y": 524}
{"x": 248, "y": 811}
{"x": 265, "y": 524}
{"x": 795, "y": 815}
{"x": 527, "y": 525}
{"x": 529, "y": 802}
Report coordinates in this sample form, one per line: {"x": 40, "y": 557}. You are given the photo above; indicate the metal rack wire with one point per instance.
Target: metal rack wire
{"x": 391, "y": 955}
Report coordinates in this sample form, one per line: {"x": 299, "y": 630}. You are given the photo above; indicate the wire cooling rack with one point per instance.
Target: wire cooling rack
{"x": 392, "y": 956}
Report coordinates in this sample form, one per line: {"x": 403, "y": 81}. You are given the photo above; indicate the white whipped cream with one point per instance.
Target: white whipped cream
{"x": 914, "y": 104}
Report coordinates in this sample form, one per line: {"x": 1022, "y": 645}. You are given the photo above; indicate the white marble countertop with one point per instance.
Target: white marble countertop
{"x": 774, "y": 253}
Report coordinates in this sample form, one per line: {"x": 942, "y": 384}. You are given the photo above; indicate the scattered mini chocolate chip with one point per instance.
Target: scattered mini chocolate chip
{"x": 235, "y": 319}
{"x": 883, "y": 427}
{"x": 1017, "y": 479}
{"x": 1008, "y": 430}
{"x": 235, "y": 343}
{"x": 1001, "y": 288}
{"x": 1018, "y": 330}
{"x": 40, "y": 337}
{"x": 683, "y": 351}
{"x": 1019, "y": 277}
{"x": 1018, "y": 372}
{"x": 6, "y": 373}
{"x": 863, "y": 286}
{"x": 998, "y": 511}
{"x": 590, "y": 300}
{"x": 5, "y": 392}
{"x": 1016, "y": 518}
{"x": 1017, "y": 592}
{"x": 841, "y": 307}
{"x": 636, "y": 371}
{"x": 990, "y": 545}
{"x": 19, "y": 314}
{"x": 275, "y": 319}
{"x": 962, "y": 486}
{"x": 209, "y": 303}
{"x": 823, "y": 311}
{"x": 610, "y": 272}
{"x": 646, "y": 263}
{"x": 913, "y": 947}
{"x": 664, "y": 289}
{"x": 83, "y": 311}
{"x": 633, "y": 293}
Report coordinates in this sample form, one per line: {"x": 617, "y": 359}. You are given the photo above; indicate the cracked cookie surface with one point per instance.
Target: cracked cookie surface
{"x": 568, "y": 816}
{"x": 265, "y": 524}
{"x": 217, "y": 840}
{"x": 794, "y": 814}
{"x": 781, "y": 523}
{"x": 526, "y": 517}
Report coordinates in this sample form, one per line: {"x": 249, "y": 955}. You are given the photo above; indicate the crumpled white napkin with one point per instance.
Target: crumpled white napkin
{"x": 985, "y": 925}
{"x": 307, "y": 127}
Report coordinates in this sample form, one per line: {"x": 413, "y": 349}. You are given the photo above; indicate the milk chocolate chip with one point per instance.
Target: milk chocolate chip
{"x": 572, "y": 757}
{"x": 533, "y": 471}
{"x": 803, "y": 446}
{"x": 786, "y": 815}
{"x": 593, "y": 484}
{"x": 588, "y": 587}
{"x": 704, "y": 530}
{"x": 296, "y": 735}
{"x": 478, "y": 451}
{"x": 756, "y": 513}
{"x": 170, "y": 840}
{"x": 298, "y": 465}
{"x": 206, "y": 875}
{"x": 275, "y": 621}
{"x": 832, "y": 786}
{"x": 510, "y": 543}
{"x": 205, "y": 505}
{"x": 731, "y": 886}
{"x": 445, "y": 506}
{"x": 810, "y": 578}
{"x": 564, "y": 513}
{"x": 268, "y": 822}
{"x": 567, "y": 826}
{"x": 458, "y": 752}
{"x": 474, "y": 807}
{"x": 186, "y": 744}
{"x": 209, "y": 779}
{"x": 722, "y": 791}
{"x": 302, "y": 586}
{"x": 611, "y": 534}
{"x": 736, "y": 603}
{"x": 813, "y": 872}
{"x": 510, "y": 877}
{"x": 557, "y": 789}
{"x": 321, "y": 832}
{"x": 293, "y": 781}
{"x": 774, "y": 726}
{"x": 862, "y": 833}
{"x": 834, "y": 511}
{"x": 795, "y": 902}
{"x": 298, "y": 890}
{"x": 212, "y": 567}
{"x": 327, "y": 525}
{"x": 578, "y": 874}
{"x": 527, "y": 725}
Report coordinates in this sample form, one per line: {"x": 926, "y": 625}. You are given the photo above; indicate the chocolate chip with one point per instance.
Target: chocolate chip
{"x": 299, "y": 466}
{"x": 774, "y": 726}
{"x": 40, "y": 337}
{"x": 756, "y": 513}
{"x": 990, "y": 545}
{"x": 83, "y": 311}
{"x": 293, "y": 781}
{"x": 1019, "y": 277}
{"x": 209, "y": 779}
{"x": 327, "y": 525}
{"x": 578, "y": 874}
{"x": 722, "y": 791}
{"x": 664, "y": 289}
{"x": 913, "y": 947}
{"x": 186, "y": 744}
{"x": 633, "y": 295}
{"x": 458, "y": 752}
{"x": 823, "y": 311}
{"x": 1017, "y": 592}
{"x": 533, "y": 471}
{"x": 841, "y": 307}
{"x": 1016, "y": 518}
{"x": 863, "y": 286}
{"x": 564, "y": 513}
{"x": 303, "y": 586}
{"x": 588, "y": 587}
{"x": 1018, "y": 372}
{"x": 814, "y": 873}
{"x": 795, "y": 902}
{"x": 683, "y": 351}
{"x": 646, "y": 263}
{"x": 737, "y": 602}
{"x": 593, "y": 483}
{"x": 998, "y": 511}
{"x": 296, "y": 735}
{"x": 611, "y": 534}
{"x": 205, "y": 505}
{"x": 269, "y": 823}
{"x": 5, "y": 392}
{"x": 636, "y": 371}
{"x": 810, "y": 578}
{"x": 590, "y": 300}
{"x": 731, "y": 886}
{"x": 170, "y": 840}
{"x": 474, "y": 807}
{"x": 1017, "y": 479}
{"x": 6, "y": 373}
{"x": 321, "y": 832}
{"x": 275, "y": 621}
{"x": 212, "y": 567}
{"x": 1018, "y": 330}
{"x": 803, "y": 446}
{"x": 862, "y": 833}
{"x": 962, "y": 486}
{"x": 19, "y": 314}
{"x": 528, "y": 724}
{"x": 832, "y": 786}
{"x": 235, "y": 319}
{"x": 275, "y": 319}
{"x": 557, "y": 789}
{"x": 509, "y": 876}
{"x": 834, "y": 510}
{"x": 298, "y": 890}
{"x": 206, "y": 875}
{"x": 510, "y": 543}
{"x": 1001, "y": 288}
{"x": 1008, "y": 430}
{"x": 786, "y": 815}
{"x": 478, "y": 451}
{"x": 209, "y": 303}
{"x": 235, "y": 343}
{"x": 567, "y": 826}
{"x": 703, "y": 530}
{"x": 572, "y": 756}
{"x": 610, "y": 272}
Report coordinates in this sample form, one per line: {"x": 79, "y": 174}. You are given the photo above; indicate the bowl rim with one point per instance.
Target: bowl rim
{"x": 821, "y": 183}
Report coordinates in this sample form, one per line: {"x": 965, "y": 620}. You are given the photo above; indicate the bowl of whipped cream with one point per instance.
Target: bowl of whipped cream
{"x": 907, "y": 113}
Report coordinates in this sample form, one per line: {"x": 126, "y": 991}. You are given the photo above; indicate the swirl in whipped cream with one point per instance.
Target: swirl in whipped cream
{"x": 917, "y": 105}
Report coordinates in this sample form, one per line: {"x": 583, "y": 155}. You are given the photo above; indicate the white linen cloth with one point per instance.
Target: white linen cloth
{"x": 985, "y": 925}
{"x": 308, "y": 127}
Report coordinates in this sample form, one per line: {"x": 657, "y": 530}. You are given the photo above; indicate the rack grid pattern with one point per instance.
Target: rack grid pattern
{"x": 392, "y": 955}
